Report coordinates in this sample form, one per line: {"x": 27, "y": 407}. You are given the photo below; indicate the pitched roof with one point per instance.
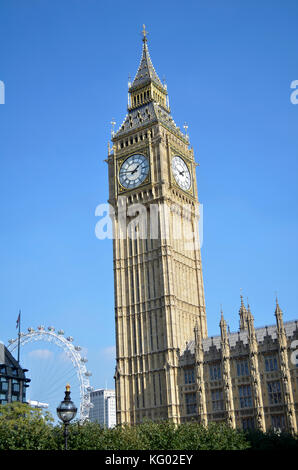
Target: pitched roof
{"x": 146, "y": 72}
{"x": 148, "y": 114}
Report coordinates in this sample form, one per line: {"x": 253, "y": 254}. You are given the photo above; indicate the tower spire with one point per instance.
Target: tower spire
{"x": 277, "y": 308}
{"x": 285, "y": 369}
{"x": 226, "y": 371}
{"x": 146, "y": 72}
{"x": 223, "y": 326}
{"x": 279, "y": 315}
{"x": 144, "y": 34}
{"x": 242, "y": 314}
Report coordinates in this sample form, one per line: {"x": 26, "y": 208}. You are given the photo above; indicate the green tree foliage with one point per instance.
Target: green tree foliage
{"x": 25, "y": 428}
{"x": 272, "y": 440}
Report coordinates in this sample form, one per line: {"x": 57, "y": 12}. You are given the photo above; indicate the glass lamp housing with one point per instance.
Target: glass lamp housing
{"x": 67, "y": 410}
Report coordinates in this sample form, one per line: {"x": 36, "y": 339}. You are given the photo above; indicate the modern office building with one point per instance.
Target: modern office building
{"x": 13, "y": 382}
{"x": 103, "y": 410}
{"x": 38, "y": 404}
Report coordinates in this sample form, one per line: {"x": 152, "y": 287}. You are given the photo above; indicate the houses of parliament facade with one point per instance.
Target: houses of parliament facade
{"x": 167, "y": 367}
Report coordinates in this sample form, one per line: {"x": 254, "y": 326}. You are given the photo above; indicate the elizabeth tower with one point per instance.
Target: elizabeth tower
{"x": 159, "y": 293}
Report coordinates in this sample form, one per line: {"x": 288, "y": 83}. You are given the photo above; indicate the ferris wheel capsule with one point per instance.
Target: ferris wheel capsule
{"x": 60, "y": 332}
{"x": 10, "y": 341}
{"x": 88, "y": 373}
{"x": 78, "y": 348}
{"x": 84, "y": 360}
{"x": 40, "y": 328}
{"x": 30, "y": 330}
{"x": 51, "y": 328}
{"x": 69, "y": 338}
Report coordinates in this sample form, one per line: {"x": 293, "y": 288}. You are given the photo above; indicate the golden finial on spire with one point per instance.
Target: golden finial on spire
{"x": 67, "y": 388}
{"x": 144, "y": 33}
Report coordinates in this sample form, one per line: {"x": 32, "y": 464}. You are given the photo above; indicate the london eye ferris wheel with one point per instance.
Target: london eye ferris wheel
{"x": 52, "y": 366}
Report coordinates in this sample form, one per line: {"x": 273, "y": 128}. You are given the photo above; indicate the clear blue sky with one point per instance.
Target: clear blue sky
{"x": 65, "y": 64}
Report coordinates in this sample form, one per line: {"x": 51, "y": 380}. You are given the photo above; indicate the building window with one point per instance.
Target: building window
{"x": 248, "y": 423}
{"x": 3, "y": 384}
{"x": 136, "y": 393}
{"x": 242, "y": 368}
{"x": 160, "y": 390}
{"x": 191, "y": 403}
{"x": 245, "y": 396}
{"x": 157, "y": 330}
{"x": 217, "y": 400}
{"x": 154, "y": 390}
{"x": 274, "y": 393}
{"x": 278, "y": 422}
{"x": 16, "y": 387}
{"x": 151, "y": 333}
{"x": 134, "y": 336}
{"x": 215, "y": 372}
{"x": 271, "y": 363}
{"x": 189, "y": 376}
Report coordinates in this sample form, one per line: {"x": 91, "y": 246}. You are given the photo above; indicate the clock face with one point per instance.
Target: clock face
{"x": 133, "y": 171}
{"x": 181, "y": 173}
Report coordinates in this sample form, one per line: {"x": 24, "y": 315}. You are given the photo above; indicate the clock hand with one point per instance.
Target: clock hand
{"x": 133, "y": 171}
{"x": 130, "y": 171}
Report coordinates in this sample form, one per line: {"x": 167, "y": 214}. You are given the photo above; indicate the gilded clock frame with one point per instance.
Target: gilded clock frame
{"x": 188, "y": 163}
{"x": 122, "y": 159}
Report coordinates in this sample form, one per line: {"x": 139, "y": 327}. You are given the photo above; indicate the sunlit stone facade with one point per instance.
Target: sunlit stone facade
{"x": 166, "y": 365}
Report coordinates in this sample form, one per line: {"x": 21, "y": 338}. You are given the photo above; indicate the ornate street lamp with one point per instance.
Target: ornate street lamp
{"x": 66, "y": 411}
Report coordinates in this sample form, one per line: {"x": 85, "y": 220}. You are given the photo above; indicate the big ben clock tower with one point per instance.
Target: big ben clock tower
{"x": 159, "y": 293}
